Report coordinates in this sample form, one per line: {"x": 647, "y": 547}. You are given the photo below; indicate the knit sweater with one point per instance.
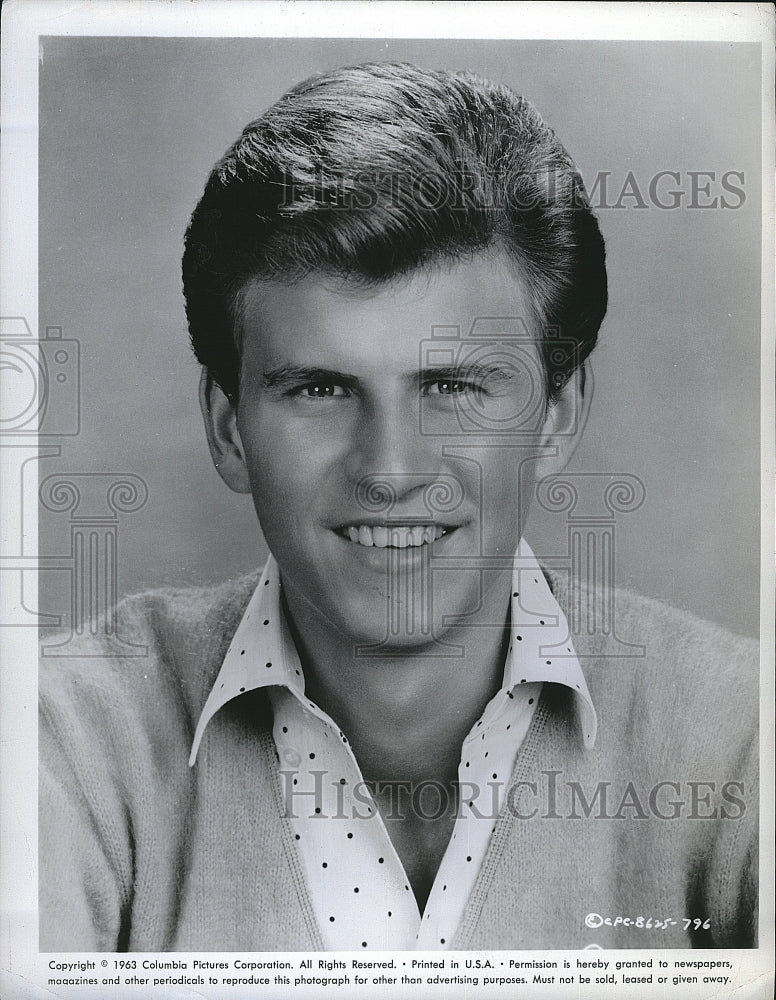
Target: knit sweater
{"x": 139, "y": 852}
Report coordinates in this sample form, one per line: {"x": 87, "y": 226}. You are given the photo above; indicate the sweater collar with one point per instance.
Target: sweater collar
{"x": 262, "y": 652}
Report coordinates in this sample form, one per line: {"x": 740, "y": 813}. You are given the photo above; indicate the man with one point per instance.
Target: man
{"x": 390, "y": 739}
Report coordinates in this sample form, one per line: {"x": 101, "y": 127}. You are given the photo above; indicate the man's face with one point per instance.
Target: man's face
{"x": 392, "y": 470}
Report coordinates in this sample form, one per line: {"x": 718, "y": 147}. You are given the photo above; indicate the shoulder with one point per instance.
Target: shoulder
{"x": 649, "y": 629}
{"x": 654, "y": 669}
{"x": 155, "y": 650}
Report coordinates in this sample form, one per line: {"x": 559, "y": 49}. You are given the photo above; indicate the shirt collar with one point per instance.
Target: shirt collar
{"x": 262, "y": 652}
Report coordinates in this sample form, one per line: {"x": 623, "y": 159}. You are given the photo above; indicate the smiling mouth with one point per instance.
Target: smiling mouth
{"x": 394, "y": 536}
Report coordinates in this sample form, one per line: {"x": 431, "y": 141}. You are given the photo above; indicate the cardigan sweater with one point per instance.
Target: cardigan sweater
{"x": 646, "y": 840}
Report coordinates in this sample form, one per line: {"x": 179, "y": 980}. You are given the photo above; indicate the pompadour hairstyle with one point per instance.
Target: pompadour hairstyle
{"x": 374, "y": 171}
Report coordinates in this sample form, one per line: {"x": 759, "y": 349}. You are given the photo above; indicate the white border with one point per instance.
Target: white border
{"x": 23, "y": 22}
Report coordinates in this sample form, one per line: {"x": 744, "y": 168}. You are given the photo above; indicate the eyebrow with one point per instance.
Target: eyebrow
{"x": 289, "y": 375}
{"x": 465, "y": 372}
{"x": 286, "y": 376}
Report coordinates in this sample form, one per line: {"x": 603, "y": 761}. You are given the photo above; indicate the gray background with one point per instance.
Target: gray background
{"x": 129, "y": 128}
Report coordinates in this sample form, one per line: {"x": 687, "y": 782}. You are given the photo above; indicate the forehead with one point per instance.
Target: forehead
{"x": 322, "y": 319}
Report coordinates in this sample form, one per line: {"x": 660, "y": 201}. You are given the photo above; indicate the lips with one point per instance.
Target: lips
{"x": 394, "y": 536}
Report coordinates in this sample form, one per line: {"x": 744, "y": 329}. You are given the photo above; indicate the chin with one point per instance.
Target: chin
{"x": 371, "y": 626}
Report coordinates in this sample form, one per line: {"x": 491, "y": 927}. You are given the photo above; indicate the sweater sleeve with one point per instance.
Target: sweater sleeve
{"x": 733, "y": 878}
{"x": 84, "y": 846}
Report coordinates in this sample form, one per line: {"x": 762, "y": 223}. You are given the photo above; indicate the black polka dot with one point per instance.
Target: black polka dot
{"x": 342, "y": 781}
{"x": 444, "y": 887}
{"x": 380, "y": 861}
{"x": 242, "y": 689}
{"x": 467, "y": 763}
{"x": 317, "y": 809}
{"x": 297, "y": 673}
{"x": 242, "y": 652}
{"x": 549, "y": 663}
{"x": 486, "y": 753}
{"x": 407, "y": 888}
{"x": 297, "y": 837}
{"x": 285, "y": 729}
{"x": 312, "y": 756}
{"x": 522, "y": 680}
{"x": 355, "y": 888}
{"x": 468, "y": 857}
{"x": 266, "y": 583}
{"x": 541, "y": 621}
{"x": 363, "y": 944}
{"x": 325, "y": 864}
{"x": 269, "y": 665}
{"x": 509, "y": 726}
{"x": 516, "y": 594}
{"x": 530, "y": 702}
{"x": 519, "y": 638}
{"x": 331, "y": 919}
{"x": 266, "y": 621}
{"x": 350, "y": 836}
{"x": 295, "y": 780}
{"x": 390, "y": 914}
{"x": 495, "y": 776}
{"x": 441, "y": 940}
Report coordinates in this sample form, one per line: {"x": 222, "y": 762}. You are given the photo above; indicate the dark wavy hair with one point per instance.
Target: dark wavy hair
{"x": 374, "y": 171}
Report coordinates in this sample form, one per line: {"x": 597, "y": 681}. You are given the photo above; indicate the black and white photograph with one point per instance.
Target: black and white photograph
{"x": 388, "y": 486}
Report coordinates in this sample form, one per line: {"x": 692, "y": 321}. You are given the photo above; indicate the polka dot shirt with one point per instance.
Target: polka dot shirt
{"x": 359, "y": 890}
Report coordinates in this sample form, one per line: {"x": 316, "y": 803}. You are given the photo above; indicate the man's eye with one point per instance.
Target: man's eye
{"x": 322, "y": 390}
{"x": 451, "y": 387}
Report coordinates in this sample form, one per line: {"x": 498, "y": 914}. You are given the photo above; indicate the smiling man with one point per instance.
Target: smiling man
{"x": 388, "y": 738}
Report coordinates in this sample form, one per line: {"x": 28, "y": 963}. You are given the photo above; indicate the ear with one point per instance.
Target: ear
{"x": 223, "y": 438}
{"x": 564, "y": 423}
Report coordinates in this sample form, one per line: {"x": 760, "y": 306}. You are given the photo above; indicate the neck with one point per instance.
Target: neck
{"x": 405, "y": 711}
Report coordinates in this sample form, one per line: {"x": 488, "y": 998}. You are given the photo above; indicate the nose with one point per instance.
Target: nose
{"x": 390, "y": 458}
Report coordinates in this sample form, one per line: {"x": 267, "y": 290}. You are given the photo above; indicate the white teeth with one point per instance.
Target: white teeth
{"x": 401, "y": 537}
{"x": 416, "y": 535}
{"x": 395, "y": 536}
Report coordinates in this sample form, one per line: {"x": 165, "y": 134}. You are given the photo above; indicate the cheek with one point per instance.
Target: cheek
{"x": 503, "y": 504}
{"x": 290, "y": 475}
